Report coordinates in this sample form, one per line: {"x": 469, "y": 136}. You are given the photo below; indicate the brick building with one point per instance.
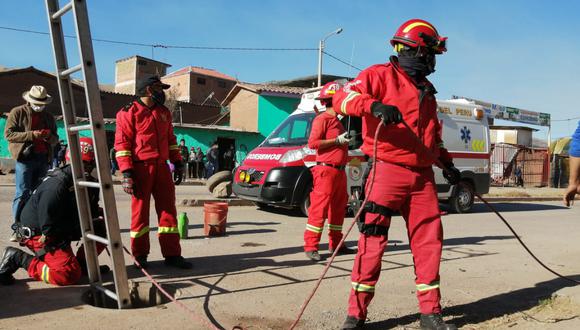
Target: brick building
{"x": 199, "y": 85}
{"x": 131, "y": 69}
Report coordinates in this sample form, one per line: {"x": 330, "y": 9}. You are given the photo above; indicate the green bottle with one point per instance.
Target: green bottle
{"x": 182, "y": 225}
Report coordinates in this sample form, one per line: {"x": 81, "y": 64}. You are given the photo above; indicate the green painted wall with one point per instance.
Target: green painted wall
{"x": 272, "y": 110}
{"x": 4, "y": 153}
{"x": 194, "y": 137}
{"x": 203, "y": 138}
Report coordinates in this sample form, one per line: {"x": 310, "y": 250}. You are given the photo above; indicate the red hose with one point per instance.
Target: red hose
{"x": 367, "y": 193}
{"x": 340, "y": 244}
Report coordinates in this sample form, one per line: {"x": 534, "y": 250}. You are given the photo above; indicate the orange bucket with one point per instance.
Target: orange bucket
{"x": 215, "y": 218}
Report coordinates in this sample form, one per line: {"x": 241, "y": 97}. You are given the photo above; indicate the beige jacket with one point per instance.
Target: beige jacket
{"x": 18, "y": 130}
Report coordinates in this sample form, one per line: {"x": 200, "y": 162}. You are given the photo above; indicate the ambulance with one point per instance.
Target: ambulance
{"x": 277, "y": 172}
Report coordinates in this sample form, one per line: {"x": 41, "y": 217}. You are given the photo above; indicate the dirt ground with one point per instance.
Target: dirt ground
{"x": 257, "y": 276}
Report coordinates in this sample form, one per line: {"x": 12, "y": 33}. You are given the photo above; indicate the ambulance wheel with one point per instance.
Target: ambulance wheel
{"x": 305, "y": 205}
{"x": 218, "y": 178}
{"x": 463, "y": 197}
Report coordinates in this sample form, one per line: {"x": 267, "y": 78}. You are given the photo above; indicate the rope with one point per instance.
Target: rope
{"x": 190, "y": 313}
{"x": 367, "y": 193}
{"x": 493, "y": 209}
{"x": 331, "y": 260}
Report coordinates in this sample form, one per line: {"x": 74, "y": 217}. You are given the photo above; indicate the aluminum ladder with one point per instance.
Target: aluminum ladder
{"x": 96, "y": 127}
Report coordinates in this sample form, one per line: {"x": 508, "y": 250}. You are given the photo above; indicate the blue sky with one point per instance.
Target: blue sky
{"x": 517, "y": 53}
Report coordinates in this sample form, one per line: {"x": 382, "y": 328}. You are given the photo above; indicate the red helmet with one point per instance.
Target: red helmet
{"x": 87, "y": 150}
{"x": 328, "y": 90}
{"x": 417, "y": 32}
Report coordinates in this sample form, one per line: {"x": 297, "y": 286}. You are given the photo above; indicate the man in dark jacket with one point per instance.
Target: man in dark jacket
{"x": 31, "y": 135}
{"x": 47, "y": 223}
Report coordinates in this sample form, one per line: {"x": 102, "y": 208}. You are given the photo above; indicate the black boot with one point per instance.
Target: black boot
{"x": 13, "y": 259}
{"x": 178, "y": 262}
{"x": 343, "y": 250}
{"x": 352, "y": 322}
{"x": 435, "y": 322}
{"x": 313, "y": 255}
{"x": 142, "y": 260}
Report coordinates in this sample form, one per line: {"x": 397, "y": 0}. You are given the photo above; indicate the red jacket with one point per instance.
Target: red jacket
{"x": 144, "y": 133}
{"x": 325, "y": 127}
{"x": 389, "y": 84}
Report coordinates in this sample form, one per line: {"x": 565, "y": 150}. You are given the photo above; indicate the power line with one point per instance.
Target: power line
{"x": 574, "y": 118}
{"x": 341, "y": 61}
{"x": 118, "y": 42}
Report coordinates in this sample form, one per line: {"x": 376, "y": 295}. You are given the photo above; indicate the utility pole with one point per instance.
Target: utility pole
{"x": 321, "y": 50}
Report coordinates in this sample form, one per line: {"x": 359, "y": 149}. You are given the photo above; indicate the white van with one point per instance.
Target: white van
{"x": 277, "y": 172}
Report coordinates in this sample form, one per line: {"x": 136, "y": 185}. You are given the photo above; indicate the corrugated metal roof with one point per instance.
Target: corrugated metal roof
{"x": 260, "y": 88}
{"x": 201, "y": 71}
{"x": 263, "y": 88}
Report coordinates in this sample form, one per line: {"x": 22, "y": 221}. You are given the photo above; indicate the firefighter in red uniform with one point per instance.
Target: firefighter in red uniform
{"x": 328, "y": 197}
{"x": 403, "y": 181}
{"x": 46, "y": 224}
{"x": 144, "y": 141}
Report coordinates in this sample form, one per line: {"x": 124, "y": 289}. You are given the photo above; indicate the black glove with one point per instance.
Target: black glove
{"x": 178, "y": 173}
{"x": 389, "y": 114}
{"x": 451, "y": 174}
{"x": 127, "y": 182}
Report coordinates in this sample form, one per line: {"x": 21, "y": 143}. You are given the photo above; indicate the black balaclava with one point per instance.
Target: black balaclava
{"x": 159, "y": 97}
{"x": 417, "y": 66}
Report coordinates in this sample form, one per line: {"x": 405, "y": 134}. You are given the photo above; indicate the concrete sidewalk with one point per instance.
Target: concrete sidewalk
{"x": 192, "y": 192}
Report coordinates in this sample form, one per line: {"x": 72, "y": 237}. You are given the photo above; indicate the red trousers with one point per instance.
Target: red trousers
{"x": 327, "y": 201}
{"x": 153, "y": 178}
{"x": 59, "y": 267}
{"x": 412, "y": 192}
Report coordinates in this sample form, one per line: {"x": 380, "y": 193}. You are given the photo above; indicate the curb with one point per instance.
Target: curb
{"x": 202, "y": 201}
{"x": 521, "y": 199}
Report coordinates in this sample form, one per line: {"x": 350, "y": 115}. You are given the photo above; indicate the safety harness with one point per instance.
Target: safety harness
{"x": 371, "y": 207}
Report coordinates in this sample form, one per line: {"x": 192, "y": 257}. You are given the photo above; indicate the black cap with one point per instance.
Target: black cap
{"x": 143, "y": 83}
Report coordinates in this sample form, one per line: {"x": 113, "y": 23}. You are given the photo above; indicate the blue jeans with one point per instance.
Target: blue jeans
{"x": 28, "y": 174}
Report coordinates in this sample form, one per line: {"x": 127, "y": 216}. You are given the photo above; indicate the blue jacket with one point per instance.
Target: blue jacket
{"x": 575, "y": 144}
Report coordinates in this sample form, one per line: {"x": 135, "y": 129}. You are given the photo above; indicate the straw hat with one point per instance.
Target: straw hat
{"x": 37, "y": 95}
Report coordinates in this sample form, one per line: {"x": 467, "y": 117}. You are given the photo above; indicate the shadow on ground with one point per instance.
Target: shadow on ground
{"x": 210, "y": 271}
{"x": 516, "y": 207}
{"x": 488, "y": 308}
{"x": 19, "y": 300}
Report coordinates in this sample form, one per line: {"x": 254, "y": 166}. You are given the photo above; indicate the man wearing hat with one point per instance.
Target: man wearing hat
{"x": 144, "y": 141}
{"x": 31, "y": 134}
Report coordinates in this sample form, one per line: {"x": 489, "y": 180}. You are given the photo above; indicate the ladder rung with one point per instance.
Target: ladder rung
{"x": 89, "y": 184}
{"x": 69, "y": 71}
{"x": 98, "y": 239}
{"x": 62, "y": 11}
{"x": 106, "y": 291}
{"x": 76, "y": 128}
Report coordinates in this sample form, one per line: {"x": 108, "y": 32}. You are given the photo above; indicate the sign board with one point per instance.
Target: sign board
{"x": 498, "y": 111}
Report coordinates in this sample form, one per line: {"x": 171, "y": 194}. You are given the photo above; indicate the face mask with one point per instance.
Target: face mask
{"x": 159, "y": 97}
{"x": 418, "y": 66}
{"x": 37, "y": 108}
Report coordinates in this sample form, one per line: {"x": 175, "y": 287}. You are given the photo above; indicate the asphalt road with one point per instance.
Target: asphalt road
{"x": 257, "y": 276}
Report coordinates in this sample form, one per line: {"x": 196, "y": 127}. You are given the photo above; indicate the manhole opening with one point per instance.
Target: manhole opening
{"x": 142, "y": 295}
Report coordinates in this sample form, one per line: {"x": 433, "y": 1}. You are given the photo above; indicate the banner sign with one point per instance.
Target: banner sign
{"x": 498, "y": 111}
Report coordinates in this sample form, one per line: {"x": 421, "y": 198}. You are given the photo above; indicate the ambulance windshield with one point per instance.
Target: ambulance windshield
{"x": 294, "y": 131}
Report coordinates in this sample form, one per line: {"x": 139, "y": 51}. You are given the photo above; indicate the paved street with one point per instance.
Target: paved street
{"x": 257, "y": 276}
